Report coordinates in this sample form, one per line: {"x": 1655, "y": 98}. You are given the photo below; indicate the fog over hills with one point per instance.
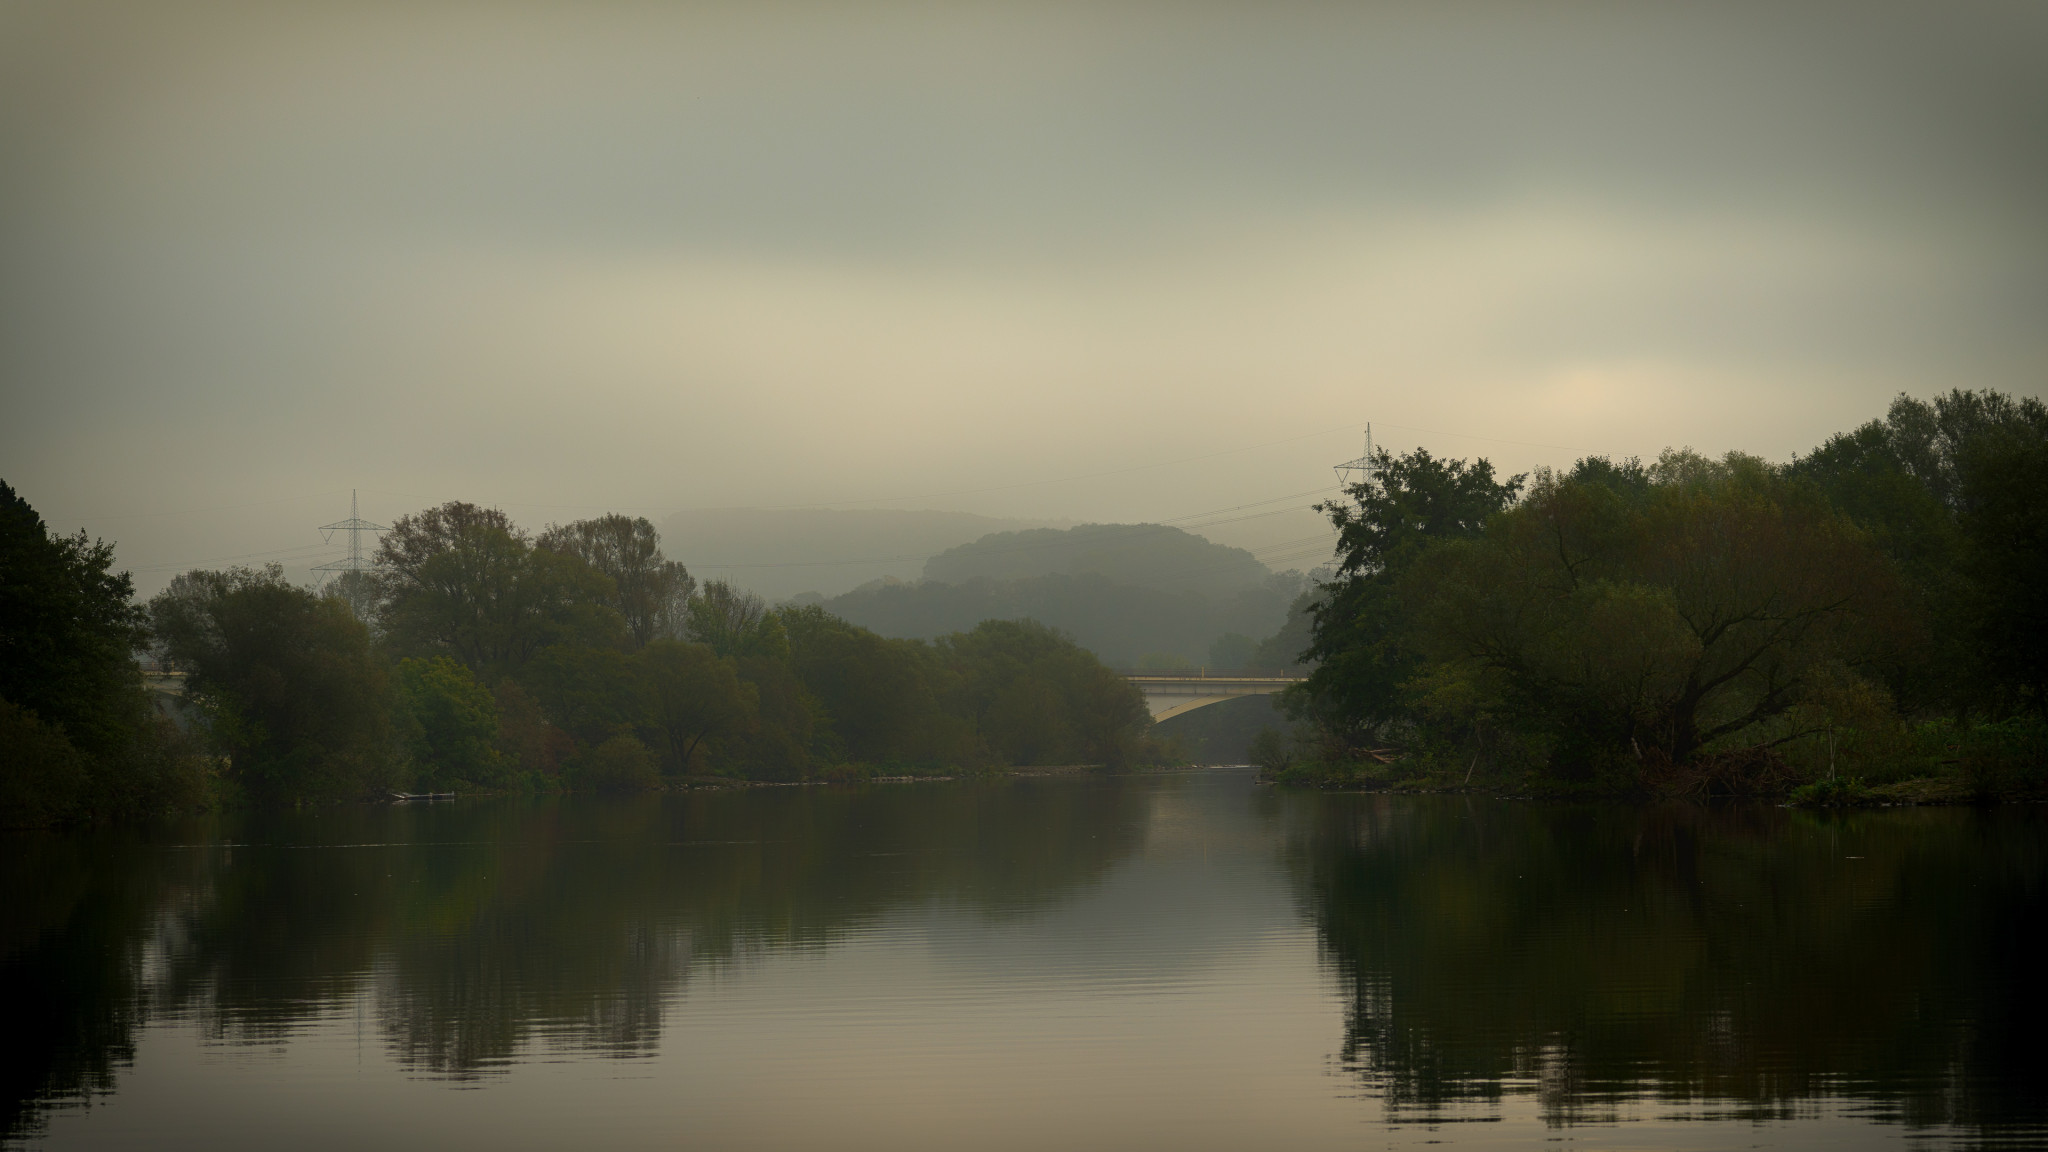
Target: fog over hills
{"x": 1130, "y": 593}
{"x": 1145, "y": 555}
{"x": 781, "y": 552}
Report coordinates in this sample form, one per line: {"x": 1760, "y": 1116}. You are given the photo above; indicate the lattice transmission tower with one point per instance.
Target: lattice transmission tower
{"x": 355, "y": 526}
{"x": 1363, "y": 470}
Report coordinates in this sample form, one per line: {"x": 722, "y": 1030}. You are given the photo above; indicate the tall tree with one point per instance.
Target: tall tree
{"x": 69, "y": 630}
{"x": 79, "y": 737}
{"x": 735, "y": 623}
{"x": 1621, "y": 624}
{"x": 694, "y": 698}
{"x": 294, "y": 697}
{"x": 1914, "y": 481}
{"x": 2005, "y": 530}
{"x": 1360, "y": 648}
{"x": 650, "y": 591}
{"x": 465, "y": 582}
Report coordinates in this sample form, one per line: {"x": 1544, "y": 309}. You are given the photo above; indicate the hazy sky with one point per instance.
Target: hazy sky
{"x": 1080, "y": 261}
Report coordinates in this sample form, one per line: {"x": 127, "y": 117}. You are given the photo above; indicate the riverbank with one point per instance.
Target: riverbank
{"x": 1937, "y": 763}
{"x": 1842, "y": 793}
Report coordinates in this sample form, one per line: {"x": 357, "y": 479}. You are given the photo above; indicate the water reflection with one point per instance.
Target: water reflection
{"x": 480, "y": 929}
{"x": 1712, "y": 962}
{"x": 964, "y": 954}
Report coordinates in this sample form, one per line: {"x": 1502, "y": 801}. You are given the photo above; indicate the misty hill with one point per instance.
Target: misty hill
{"x": 781, "y": 552}
{"x": 1143, "y": 555}
{"x": 1123, "y": 624}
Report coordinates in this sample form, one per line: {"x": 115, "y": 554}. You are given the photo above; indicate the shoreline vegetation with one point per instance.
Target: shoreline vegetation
{"x": 1866, "y": 624}
{"x": 479, "y": 658}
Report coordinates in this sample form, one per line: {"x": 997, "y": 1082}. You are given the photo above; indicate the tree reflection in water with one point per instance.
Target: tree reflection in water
{"x": 480, "y": 930}
{"x": 1710, "y": 962}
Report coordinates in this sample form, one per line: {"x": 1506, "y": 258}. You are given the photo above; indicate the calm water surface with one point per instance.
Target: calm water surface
{"x": 1187, "y": 962}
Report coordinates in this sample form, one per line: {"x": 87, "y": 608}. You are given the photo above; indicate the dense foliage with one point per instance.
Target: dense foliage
{"x": 586, "y": 659}
{"x": 1701, "y": 624}
{"x": 475, "y": 656}
{"x": 294, "y": 698}
{"x": 79, "y": 737}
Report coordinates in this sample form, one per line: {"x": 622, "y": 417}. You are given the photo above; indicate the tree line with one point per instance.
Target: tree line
{"x": 1874, "y": 607}
{"x": 475, "y": 655}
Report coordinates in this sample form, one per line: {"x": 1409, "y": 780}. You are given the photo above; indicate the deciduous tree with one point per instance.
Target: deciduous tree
{"x": 294, "y": 697}
{"x": 651, "y": 592}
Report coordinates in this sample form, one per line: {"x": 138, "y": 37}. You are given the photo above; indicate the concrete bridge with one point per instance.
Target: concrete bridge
{"x": 1169, "y": 694}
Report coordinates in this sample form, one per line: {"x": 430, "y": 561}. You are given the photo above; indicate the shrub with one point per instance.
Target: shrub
{"x": 619, "y": 765}
{"x": 1836, "y": 792}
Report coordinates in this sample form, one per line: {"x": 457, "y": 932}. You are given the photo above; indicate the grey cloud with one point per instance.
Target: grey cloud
{"x": 675, "y": 256}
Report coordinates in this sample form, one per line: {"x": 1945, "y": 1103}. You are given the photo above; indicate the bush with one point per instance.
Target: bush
{"x": 2005, "y": 760}
{"x": 1836, "y": 792}
{"x": 619, "y": 765}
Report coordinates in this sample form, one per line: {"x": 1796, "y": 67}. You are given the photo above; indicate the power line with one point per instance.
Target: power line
{"x": 224, "y": 559}
{"x": 1064, "y": 479}
{"x": 213, "y": 508}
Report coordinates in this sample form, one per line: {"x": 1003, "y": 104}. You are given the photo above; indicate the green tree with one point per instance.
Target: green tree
{"x": 1913, "y": 480}
{"x": 1360, "y": 646}
{"x": 694, "y": 699}
{"x": 463, "y": 581}
{"x": 650, "y": 592}
{"x": 293, "y": 696}
{"x": 591, "y": 693}
{"x": 735, "y": 623}
{"x": 1036, "y": 697}
{"x": 2004, "y": 523}
{"x": 83, "y": 739}
{"x": 1620, "y": 624}
{"x": 878, "y": 698}
{"x": 69, "y": 629}
{"x": 450, "y": 723}
{"x": 778, "y": 746}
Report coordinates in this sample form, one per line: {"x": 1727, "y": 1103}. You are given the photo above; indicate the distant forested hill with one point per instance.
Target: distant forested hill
{"x": 1143, "y": 555}
{"x": 780, "y": 552}
{"x": 1121, "y": 623}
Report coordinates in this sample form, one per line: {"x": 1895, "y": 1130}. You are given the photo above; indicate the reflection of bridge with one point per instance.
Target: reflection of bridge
{"x": 1169, "y": 694}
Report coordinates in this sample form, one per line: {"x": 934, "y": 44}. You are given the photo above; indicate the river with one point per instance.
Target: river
{"x": 1185, "y": 961}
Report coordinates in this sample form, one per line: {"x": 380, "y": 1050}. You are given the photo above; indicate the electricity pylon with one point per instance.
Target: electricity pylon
{"x": 355, "y": 526}
{"x": 1363, "y": 470}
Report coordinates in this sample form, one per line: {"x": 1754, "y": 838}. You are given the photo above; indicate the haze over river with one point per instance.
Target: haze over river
{"x": 1185, "y": 961}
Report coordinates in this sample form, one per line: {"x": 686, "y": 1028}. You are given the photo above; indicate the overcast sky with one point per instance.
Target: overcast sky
{"x": 1075, "y": 261}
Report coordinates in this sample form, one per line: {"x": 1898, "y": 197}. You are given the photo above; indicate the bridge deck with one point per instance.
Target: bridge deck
{"x": 1169, "y": 694}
